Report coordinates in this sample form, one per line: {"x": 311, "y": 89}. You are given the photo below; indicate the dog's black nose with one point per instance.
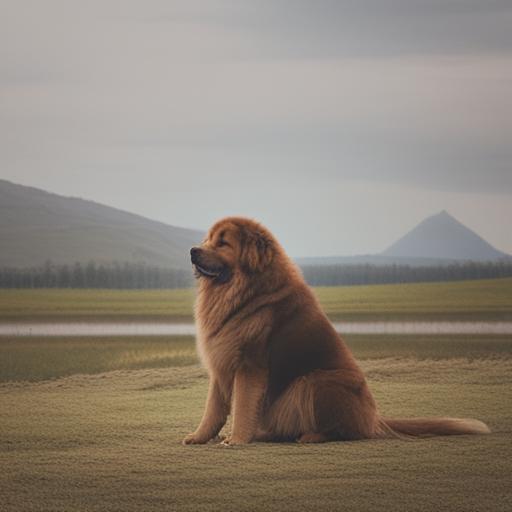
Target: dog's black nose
{"x": 194, "y": 253}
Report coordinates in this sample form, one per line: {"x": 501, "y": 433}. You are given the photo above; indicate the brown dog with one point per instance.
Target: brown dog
{"x": 275, "y": 361}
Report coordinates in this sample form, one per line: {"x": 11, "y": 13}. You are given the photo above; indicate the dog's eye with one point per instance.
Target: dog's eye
{"x": 222, "y": 243}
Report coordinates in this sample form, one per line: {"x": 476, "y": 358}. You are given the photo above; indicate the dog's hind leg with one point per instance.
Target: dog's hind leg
{"x": 325, "y": 405}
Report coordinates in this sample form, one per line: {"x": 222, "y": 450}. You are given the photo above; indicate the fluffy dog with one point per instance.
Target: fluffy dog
{"x": 275, "y": 362}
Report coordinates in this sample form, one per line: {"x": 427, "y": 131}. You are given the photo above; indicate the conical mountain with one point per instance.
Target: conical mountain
{"x": 36, "y": 226}
{"x": 444, "y": 237}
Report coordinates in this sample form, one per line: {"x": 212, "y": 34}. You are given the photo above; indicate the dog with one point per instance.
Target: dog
{"x": 274, "y": 360}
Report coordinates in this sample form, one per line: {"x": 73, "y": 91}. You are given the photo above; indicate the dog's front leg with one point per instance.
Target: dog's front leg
{"x": 248, "y": 393}
{"x": 214, "y": 417}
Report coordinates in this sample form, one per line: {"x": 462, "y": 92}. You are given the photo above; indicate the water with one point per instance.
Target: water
{"x": 173, "y": 329}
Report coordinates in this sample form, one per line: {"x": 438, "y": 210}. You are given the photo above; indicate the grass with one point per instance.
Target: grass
{"x": 36, "y": 359}
{"x": 111, "y": 441}
{"x": 471, "y": 300}
{"x": 481, "y": 299}
{"x": 83, "y": 304}
{"x": 95, "y": 424}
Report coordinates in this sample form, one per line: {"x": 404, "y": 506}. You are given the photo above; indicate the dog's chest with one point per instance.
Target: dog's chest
{"x": 223, "y": 348}
{"x": 220, "y": 352}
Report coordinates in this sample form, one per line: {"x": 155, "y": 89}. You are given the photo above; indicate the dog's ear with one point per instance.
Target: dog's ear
{"x": 258, "y": 251}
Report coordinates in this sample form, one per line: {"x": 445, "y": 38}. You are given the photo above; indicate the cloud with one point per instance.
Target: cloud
{"x": 379, "y": 28}
{"x": 335, "y": 93}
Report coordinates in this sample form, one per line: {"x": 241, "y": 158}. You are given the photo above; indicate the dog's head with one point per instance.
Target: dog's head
{"x": 234, "y": 245}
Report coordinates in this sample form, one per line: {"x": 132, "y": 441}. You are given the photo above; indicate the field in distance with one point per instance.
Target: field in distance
{"x": 477, "y": 300}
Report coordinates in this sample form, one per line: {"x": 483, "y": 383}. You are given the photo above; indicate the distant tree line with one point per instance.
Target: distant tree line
{"x": 95, "y": 275}
{"x": 143, "y": 276}
{"x": 338, "y": 275}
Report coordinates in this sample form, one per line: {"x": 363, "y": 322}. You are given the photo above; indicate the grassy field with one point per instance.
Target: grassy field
{"x": 110, "y": 441}
{"x": 36, "y": 359}
{"x": 95, "y": 424}
{"x": 470, "y": 300}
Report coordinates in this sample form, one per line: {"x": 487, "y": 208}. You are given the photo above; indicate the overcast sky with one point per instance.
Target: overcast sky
{"x": 339, "y": 124}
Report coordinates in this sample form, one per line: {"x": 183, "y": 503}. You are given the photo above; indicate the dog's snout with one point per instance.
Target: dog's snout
{"x": 194, "y": 253}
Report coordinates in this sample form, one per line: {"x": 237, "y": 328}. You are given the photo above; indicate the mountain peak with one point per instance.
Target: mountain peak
{"x": 443, "y": 236}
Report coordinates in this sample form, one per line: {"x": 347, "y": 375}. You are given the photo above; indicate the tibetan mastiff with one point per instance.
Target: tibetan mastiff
{"x": 275, "y": 362}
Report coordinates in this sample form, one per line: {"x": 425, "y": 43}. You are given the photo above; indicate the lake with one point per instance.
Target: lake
{"x": 175, "y": 329}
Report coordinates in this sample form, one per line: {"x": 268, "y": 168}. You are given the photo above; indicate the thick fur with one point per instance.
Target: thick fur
{"x": 275, "y": 362}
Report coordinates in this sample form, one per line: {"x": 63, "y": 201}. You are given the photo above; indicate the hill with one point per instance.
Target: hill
{"x": 444, "y": 237}
{"x": 438, "y": 240}
{"x": 36, "y": 226}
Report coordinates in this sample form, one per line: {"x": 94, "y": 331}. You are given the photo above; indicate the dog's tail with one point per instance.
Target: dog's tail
{"x": 427, "y": 427}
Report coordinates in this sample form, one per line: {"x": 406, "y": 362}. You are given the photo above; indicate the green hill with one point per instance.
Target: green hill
{"x": 36, "y": 226}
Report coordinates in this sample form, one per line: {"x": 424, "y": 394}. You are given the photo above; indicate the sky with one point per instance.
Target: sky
{"x": 338, "y": 124}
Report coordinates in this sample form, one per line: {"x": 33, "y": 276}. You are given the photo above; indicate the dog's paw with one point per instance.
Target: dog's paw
{"x": 226, "y": 442}
{"x": 193, "y": 438}
{"x": 233, "y": 441}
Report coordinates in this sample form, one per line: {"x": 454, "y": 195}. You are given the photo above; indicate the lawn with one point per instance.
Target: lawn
{"x": 465, "y": 300}
{"x": 110, "y": 441}
{"x": 95, "y": 424}
{"x": 36, "y": 359}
